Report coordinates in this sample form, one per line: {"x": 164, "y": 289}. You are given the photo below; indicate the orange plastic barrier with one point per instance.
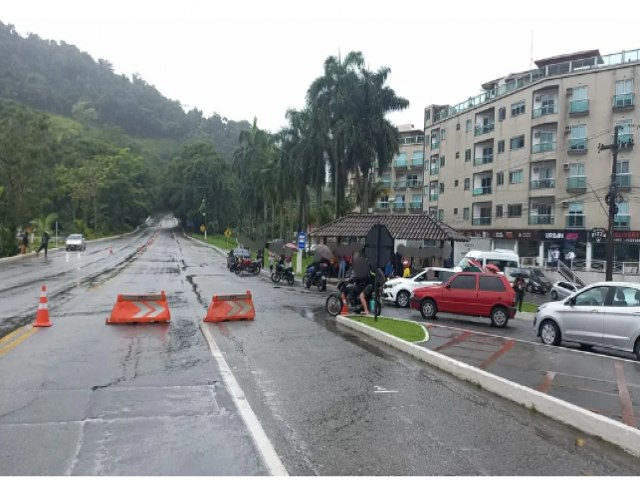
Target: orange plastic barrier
{"x": 146, "y": 308}
{"x": 231, "y": 307}
{"x": 42, "y": 316}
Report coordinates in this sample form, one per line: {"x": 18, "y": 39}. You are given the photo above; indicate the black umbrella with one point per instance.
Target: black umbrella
{"x": 519, "y": 273}
{"x": 322, "y": 252}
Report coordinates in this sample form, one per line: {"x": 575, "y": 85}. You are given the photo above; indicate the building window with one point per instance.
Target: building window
{"x": 455, "y": 183}
{"x": 457, "y": 155}
{"x": 517, "y": 108}
{"x": 443, "y": 134}
{"x": 457, "y": 126}
{"x": 442, "y": 160}
{"x": 467, "y": 183}
{"x": 514, "y": 210}
{"x": 441, "y": 188}
{"x": 467, "y": 155}
{"x": 502, "y": 114}
{"x": 498, "y": 211}
{"x": 623, "y": 174}
{"x": 575, "y": 215}
{"x": 516, "y": 142}
{"x": 500, "y": 146}
{"x": 465, "y": 213}
{"x": 455, "y": 211}
{"x": 468, "y": 126}
{"x": 500, "y": 178}
{"x": 427, "y": 116}
{"x": 622, "y": 218}
{"x": 515, "y": 176}
{"x": 441, "y": 215}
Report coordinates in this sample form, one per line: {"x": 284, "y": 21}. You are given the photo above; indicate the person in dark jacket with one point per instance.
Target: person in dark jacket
{"x": 44, "y": 244}
{"x": 24, "y": 245}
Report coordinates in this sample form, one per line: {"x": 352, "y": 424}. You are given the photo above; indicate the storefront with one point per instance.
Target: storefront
{"x": 568, "y": 246}
{"x": 626, "y": 245}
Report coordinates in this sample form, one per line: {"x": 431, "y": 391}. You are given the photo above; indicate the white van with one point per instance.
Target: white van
{"x": 505, "y": 260}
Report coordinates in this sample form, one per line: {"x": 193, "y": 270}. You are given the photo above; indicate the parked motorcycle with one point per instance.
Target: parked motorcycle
{"x": 282, "y": 272}
{"x": 334, "y": 302}
{"x": 315, "y": 276}
{"x": 247, "y": 265}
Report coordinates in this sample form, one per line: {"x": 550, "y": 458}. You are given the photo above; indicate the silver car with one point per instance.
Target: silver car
{"x": 562, "y": 289}
{"x": 604, "y": 314}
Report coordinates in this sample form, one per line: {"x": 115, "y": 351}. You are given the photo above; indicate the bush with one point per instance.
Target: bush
{"x": 8, "y": 242}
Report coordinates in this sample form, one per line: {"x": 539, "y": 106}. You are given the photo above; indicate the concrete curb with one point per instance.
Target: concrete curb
{"x": 624, "y": 436}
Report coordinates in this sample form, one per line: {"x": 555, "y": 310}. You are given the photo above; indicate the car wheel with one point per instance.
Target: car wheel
{"x": 499, "y": 317}
{"x": 554, "y": 294}
{"x": 549, "y": 333}
{"x": 428, "y": 309}
{"x": 402, "y": 299}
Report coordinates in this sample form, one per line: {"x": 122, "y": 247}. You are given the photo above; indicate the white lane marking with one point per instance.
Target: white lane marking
{"x": 378, "y": 389}
{"x": 264, "y": 445}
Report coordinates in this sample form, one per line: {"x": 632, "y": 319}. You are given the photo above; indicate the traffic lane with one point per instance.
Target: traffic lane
{"x": 20, "y": 283}
{"x": 335, "y": 403}
{"x": 86, "y": 398}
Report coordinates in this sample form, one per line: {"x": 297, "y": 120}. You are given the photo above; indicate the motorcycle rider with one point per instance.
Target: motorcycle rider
{"x": 314, "y": 270}
{"x": 362, "y": 287}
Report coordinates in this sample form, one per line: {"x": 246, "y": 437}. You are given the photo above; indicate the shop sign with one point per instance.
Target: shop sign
{"x": 566, "y": 235}
{"x": 598, "y": 235}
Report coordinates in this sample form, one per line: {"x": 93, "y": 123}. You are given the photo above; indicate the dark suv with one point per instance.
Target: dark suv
{"x": 469, "y": 293}
{"x": 236, "y": 253}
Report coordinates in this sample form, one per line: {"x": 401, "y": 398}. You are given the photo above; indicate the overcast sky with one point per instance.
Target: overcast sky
{"x": 257, "y": 58}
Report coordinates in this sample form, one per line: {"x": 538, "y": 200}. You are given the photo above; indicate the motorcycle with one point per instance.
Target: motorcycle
{"x": 282, "y": 272}
{"x": 334, "y": 302}
{"x": 247, "y": 265}
{"x": 315, "y": 276}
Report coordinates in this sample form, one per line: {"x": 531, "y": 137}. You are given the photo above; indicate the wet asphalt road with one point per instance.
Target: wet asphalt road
{"x": 87, "y": 398}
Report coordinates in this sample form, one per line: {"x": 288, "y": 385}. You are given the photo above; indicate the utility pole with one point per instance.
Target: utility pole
{"x": 612, "y": 200}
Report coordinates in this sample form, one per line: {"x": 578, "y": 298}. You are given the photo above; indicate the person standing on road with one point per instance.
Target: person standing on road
{"x": 518, "y": 286}
{"x": 44, "y": 244}
{"x": 24, "y": 245}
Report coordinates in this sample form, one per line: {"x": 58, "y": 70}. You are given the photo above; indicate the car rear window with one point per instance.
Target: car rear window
{"x": 491, "y": 284}
{"x": 464, "y": 282}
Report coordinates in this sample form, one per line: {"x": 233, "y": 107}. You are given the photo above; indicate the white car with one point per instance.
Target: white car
{"x": 75, "y": 241}
{"x": 399, "y": 290}
{"x": 563, "y": 289}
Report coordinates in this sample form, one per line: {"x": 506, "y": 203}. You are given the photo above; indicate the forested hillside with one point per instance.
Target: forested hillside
{"x": 59, "y": 78}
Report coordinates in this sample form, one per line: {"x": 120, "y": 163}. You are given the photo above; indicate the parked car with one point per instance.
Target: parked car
{"x": 399, "y": 290}
{"x": 538, "y": 281}
{"x": 563, "y": 289}
{"x": 75, "y": 241}
{"x": 605, "y": 314}
{"x": 236, "y": 253}
{"x": 469, "y": 293}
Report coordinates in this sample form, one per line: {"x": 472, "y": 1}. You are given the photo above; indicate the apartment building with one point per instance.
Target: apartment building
{"x": 520, "y": 163}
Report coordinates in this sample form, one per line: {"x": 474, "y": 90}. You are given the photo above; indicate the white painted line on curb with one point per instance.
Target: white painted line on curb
{"x": 264, "y": 445}
{"x": 612, "y": 431}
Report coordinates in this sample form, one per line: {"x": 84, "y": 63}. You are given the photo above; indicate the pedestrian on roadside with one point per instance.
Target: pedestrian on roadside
{"x": 44, "y": 244}
{"x": 388, "y": 269}
{"x": 518, "y": 286}
{"x": 24, "y": 245}
{"x": 406, "y": 273}
{"x": 342, "y": 270}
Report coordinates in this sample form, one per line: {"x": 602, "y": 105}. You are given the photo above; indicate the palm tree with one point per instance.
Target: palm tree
{"x": 44, "y": 223}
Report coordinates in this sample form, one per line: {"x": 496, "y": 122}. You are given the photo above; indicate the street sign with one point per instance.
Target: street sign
{"x": 302, "y": 240}
{"x": 227, "y": 232}
{"x": 202, "y": 228}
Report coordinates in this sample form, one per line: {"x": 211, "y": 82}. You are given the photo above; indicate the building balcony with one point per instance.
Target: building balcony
{"x": 399, "y": 206}
{"x": 414, "y": 183}
{"x": 622, "y": 222}
{"x": 577, "y": 146}
{"x": 576, "y": 183}
{"x": 385, "y": 183}
{"x": 626, "y": 101}
{"x": 546, "y": 110}
{"x": 625, "y": 141}
{"x": 417, "y": 162}
{"x": 624, "y": 181}
{"x": 574, "y": 221}
{"x": 483, "y": 129}
{"x": 400, "y": 164}
{"x": 433, "y": 197}
{"x": 435, "y": 145}
{"x": 481, "y": 191}
{"x": 542, "y": 219}
{"x": 543, "y": 147}
{"x": 483, "y": 160}
{"x": 383, "y": 206}
{"x": 578, "y": 107}
{"x": 543, "y": 183}
{"x": 481, "y": 221}
{"x": 434, "y": 170}
{"x": 399, "y": 185}
{"x": 415, "y": 206}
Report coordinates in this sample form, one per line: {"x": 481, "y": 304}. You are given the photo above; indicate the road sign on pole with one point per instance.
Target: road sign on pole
{"x": 302, "y": 240}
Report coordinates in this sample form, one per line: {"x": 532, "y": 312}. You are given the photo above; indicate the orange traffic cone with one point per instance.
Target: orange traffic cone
{"x": 42, "y": 317}
{"x": 345, "y": 309}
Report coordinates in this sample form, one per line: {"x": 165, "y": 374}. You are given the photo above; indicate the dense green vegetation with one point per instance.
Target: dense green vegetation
{"x": 98, "y": 152}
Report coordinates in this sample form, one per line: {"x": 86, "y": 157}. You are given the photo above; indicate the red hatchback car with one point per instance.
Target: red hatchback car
{"x": 469, "y": 293}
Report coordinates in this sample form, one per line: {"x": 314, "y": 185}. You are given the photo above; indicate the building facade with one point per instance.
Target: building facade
{"x": 521, "y": 163}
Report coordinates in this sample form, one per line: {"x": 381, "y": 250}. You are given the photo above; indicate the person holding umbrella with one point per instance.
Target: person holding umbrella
{"x": 518, "y": 286}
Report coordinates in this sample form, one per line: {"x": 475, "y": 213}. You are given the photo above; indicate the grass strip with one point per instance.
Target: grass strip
{"x": 409, "y": 331}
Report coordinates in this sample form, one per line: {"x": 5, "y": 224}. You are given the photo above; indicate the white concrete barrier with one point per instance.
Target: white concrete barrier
{"x": 624, "y": 436}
